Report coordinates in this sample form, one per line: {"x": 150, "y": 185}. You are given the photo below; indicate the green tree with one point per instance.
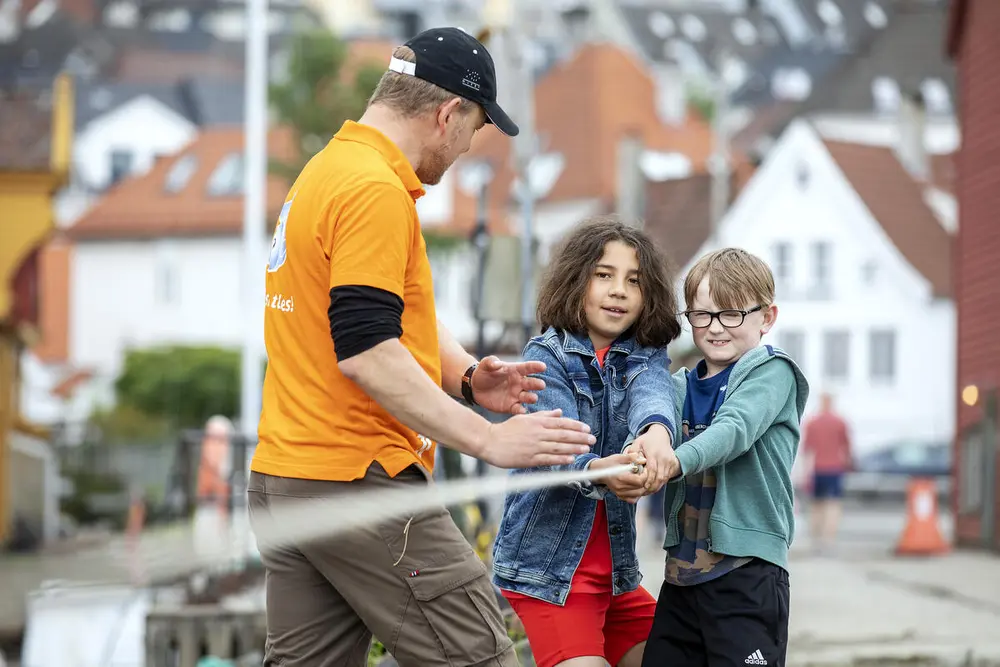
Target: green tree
{"x": 316, "y": 96}
{"x": 182, "y": 385}
{"x": 701, "y": 100}
{"x": 125, "y": 424}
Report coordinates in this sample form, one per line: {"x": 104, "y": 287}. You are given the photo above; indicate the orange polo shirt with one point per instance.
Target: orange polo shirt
{"x": 349, "y": 219}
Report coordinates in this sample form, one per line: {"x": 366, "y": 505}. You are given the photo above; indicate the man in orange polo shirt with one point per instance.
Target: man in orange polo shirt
{"x": 348, "y": 263}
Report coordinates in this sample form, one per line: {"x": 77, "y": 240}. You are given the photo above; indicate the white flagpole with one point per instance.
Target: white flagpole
{"x": 254, "y": 214}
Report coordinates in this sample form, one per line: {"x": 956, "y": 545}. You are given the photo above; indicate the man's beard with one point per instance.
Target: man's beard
{"x": 433, "y": 166}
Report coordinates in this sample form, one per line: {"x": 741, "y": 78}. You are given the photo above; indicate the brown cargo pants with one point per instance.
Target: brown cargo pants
{"x": 435, "y": 607}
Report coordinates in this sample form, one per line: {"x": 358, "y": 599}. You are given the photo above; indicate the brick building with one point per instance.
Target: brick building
{"x": 972, "y": 44}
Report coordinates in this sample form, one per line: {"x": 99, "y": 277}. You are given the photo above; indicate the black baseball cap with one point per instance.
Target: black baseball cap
{"x": 458, "y": 62}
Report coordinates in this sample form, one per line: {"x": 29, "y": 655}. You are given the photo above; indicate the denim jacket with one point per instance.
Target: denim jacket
{"x": 543, "y": 532}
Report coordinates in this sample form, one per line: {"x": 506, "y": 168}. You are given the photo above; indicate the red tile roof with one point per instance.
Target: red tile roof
{"x": 583, "y": 108}
{"x": 678, "y": 214}
{"x": 896, "y": 200}
{"x": 83, "y": 10}
{"x": 142, "y": 207}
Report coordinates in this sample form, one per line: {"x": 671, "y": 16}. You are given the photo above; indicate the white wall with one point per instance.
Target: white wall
{"x": 454, "y": 274}
{"x": 187, "y": 291}
{"x": 437, "y": 205}
{"x": 358, "y": 16}
{"x": 142, "y": 126}
{"x": 140, "y": 293}
{"x": 40, "y": 406}
{"x": 553, "y": 220}
{"x": 86, "y": 620}
{"x": 917, "y": 402}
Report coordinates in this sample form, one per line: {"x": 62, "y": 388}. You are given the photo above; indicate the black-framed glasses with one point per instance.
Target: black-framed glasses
{"x": 731, "y": 319}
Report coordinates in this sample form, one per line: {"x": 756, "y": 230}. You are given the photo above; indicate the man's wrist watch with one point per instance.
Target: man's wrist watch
{"x": 467, "y": 384}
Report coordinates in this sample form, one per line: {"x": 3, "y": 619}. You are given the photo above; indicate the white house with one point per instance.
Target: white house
{"x": 862, "y": 268}
{"x": 126, "y": 141}
{"x": 121, "y": 130}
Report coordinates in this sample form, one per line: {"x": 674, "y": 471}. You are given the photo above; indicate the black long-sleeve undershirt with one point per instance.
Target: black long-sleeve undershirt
{"x": 361, "y": 317}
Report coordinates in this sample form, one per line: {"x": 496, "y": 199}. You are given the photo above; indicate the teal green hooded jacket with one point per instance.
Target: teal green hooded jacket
{"x": 751, "y": 443}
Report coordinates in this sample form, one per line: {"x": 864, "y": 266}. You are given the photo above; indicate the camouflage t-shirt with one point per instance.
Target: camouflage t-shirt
{"x": 691, "y": 562}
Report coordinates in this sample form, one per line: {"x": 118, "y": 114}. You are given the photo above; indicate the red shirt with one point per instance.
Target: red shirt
{"x": 594, "y": 572}
{"x": 825, "y": 437}
{"x": 593, "y": 575}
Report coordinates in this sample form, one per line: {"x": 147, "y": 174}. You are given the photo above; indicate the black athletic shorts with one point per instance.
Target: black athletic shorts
{"x": 739, "y": 619}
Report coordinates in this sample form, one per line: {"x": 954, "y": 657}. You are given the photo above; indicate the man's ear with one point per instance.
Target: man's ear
{"x": 448, "y": 109}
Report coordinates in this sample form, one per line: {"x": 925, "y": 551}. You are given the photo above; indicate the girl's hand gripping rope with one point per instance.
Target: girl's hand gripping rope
{"x": 629, "y": 485}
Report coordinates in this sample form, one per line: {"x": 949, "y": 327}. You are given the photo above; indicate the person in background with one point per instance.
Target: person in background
{"x": 827, "y": 442}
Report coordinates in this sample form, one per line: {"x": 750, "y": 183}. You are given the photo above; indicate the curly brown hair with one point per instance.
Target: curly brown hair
{"x": 564, "y": 288}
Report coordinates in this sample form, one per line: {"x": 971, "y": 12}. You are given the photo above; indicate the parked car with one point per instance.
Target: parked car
{"x": 886, "y": 472}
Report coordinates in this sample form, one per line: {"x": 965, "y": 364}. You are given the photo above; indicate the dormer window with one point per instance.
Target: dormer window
{"x": 180, "y": 174}
{"x": 227, "y": 179}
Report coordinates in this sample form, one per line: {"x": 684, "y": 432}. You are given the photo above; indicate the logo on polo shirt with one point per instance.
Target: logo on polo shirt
{"x": 279, "y": 252}
{"x": 425, "y": 444}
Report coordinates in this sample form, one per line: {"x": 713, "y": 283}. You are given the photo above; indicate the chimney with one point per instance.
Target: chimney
{"x": 671, "y": 98}
{"x": 576, "y": 17}
{"x": 10, "y": 21}
{"x": 912, "y": 126}
{"x": 630, "y": 180}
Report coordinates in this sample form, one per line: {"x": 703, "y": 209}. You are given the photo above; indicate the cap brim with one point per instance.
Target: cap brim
{"x": 499, "y": 117}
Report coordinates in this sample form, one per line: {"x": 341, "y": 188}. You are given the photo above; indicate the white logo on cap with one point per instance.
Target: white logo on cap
{"x": 471, "y": 79}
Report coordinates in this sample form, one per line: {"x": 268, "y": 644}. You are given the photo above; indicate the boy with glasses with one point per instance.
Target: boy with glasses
{"x": 728, "y": 506}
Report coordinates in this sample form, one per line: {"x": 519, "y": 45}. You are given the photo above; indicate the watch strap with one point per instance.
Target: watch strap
{"x": 467, "y": 384}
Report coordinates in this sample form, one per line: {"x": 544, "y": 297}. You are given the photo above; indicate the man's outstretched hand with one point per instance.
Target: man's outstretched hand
{"x": 505, "y": 387}
{"x": 539, "y": 439}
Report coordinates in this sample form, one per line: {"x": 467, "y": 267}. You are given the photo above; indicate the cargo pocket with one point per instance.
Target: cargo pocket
{"x": 460, "y": 606}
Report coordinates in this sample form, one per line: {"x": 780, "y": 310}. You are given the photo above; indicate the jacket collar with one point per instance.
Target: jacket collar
{"x": 581, "y": 344}
{"x": 763, "y": 354}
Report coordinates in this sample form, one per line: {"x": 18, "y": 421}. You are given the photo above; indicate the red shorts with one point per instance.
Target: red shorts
{"x": 597, "y": 624}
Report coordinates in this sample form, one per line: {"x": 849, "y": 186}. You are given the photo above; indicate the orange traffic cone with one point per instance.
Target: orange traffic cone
{"x": 922, "y": 536}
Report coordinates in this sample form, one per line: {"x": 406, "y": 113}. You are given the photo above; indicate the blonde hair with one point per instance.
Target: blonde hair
{"x": 409, "y": 96}
{"x": 736, "y": 279}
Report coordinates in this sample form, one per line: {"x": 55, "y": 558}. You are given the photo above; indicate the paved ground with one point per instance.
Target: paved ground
{"x": 857, "y": 606}
{"x": 21, "y": 574}
{"x": 863, "y": 606}
{"x": 93, "y": 559}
